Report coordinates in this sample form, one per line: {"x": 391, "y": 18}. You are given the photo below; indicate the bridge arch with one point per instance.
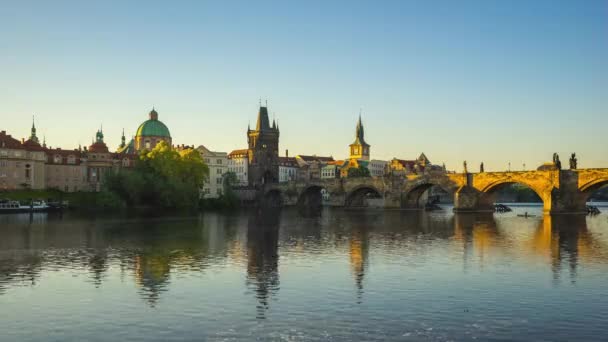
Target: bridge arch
{"x": 588, "y": 189}
{"x": 311, "y": 196}
{"x": 410, "y": 197}
{"x": 487, "y": 196}
{"x": 359, "y": 196}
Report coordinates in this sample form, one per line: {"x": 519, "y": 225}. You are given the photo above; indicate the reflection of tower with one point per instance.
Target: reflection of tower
{"x": 98, "y": 266}
{"x": 152, "y": 274}
{"x": 263, "y": 258}
{"x": 359, "y": 253}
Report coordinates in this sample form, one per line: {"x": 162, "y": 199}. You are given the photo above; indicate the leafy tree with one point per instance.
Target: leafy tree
{"x": 162, "y": 177}
{"x": 360, "y": 171}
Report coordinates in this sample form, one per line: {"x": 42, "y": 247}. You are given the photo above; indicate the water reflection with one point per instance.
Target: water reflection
{"x": 263, "y": 257}
{"x": 153, "y": 252}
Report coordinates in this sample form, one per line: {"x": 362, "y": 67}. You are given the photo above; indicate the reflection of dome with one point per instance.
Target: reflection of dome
{"x": 153, "y": 127}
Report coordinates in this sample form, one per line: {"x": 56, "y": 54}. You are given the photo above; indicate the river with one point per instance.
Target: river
{"x": 347, "y": 275}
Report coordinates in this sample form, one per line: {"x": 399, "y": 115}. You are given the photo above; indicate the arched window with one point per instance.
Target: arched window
{"x": 147, "y": 144}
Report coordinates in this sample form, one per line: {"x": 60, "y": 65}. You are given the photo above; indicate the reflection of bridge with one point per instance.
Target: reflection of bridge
{"x": 562, "y": 191}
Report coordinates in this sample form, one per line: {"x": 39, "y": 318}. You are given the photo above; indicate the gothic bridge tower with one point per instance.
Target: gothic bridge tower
{"x": 263, "y": 151}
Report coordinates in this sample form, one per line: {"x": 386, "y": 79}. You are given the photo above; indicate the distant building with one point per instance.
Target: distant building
{"x": 311, "y": 166}
{"x": 21, "y": 163}
{"x": 359, "y": 149}
{"x": 238, "y": 162}
{"x": 377, "y": 168}
{"x": 218, "y": 166}
{"x": 66, "y": 170}
{"x": 288, "y": 168}
{"x": 263, "y": 151}
{"x": 331, "y": 169}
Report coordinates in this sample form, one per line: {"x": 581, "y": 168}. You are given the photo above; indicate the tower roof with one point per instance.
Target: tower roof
{"x": 263, "y": 123}
{"x": 359, "y": 133}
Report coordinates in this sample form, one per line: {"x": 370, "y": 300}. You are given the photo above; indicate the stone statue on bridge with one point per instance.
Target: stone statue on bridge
{"x": 464, "y": 164}
{"x": 481, "y": 168}
{"x": 556, "y": 161}
{"x": 573, "y": 161}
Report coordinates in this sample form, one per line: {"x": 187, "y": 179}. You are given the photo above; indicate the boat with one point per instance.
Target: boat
{"x": 9, "y": 207}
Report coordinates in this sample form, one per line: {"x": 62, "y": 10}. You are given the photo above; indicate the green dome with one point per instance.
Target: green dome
{"x": 153, "y": 127}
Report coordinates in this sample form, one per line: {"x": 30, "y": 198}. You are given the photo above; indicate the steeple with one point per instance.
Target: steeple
{"x": 33, "y": 136}
{"x": 123, "y": 140}
{"x": 99, "y": 136}
{"x": 44, "y": 141}
{"x": 359, "y": 132}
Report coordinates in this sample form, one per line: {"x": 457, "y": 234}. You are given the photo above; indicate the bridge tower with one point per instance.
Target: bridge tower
{"x": 263, "y": 150}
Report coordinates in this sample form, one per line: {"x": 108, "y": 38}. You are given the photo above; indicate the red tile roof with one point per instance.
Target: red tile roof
{"x": 7, "y": 141}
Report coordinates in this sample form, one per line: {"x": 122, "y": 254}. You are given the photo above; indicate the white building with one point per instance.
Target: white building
{"x": 330, "y": 170}
{"x": 288, "y": 169}
{"x": 238, "y": 163}
{"x": 218, "y": 166}
{"x": 377, "y": 168}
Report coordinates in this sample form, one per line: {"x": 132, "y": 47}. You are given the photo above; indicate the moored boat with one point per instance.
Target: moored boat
{"x": 9, "y": 206}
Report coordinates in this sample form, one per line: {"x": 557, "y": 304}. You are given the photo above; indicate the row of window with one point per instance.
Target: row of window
{"x": 217, "y": 161}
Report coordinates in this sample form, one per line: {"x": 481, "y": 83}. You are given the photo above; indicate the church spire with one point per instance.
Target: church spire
{"x": 33, "y": 136}
{"x": 123, "y": 140}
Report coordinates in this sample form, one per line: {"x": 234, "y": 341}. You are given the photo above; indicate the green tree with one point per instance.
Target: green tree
{"x": 162, "y": 177}
{"x": 360, "y": 171}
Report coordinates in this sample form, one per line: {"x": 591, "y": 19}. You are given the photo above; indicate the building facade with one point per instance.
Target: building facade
{"x": 218, "y": 167}
{"x": 238, "y": 163}
{"x": 263, "y": 151}
{"x": 288, "y": 169}
{"x": 22, "y": 164}
{"x": 377, "y": 168}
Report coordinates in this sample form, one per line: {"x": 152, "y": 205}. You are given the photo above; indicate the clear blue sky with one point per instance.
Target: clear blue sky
{"x": 492, "y": 81}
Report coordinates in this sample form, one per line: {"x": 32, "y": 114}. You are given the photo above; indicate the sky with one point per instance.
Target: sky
{"x": 494, "y": 81}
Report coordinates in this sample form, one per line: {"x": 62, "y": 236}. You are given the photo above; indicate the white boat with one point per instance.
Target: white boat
{"x": 8, "y": 206}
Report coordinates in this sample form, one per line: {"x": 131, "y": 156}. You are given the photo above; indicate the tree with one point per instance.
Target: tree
{"x": 162, "y": 177}
{"x": 360, "y": 171}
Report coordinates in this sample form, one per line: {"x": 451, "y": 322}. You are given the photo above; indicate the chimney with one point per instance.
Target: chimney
{"x": 287, "y": 153}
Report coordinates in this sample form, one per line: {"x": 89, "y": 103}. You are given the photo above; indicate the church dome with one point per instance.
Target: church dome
{"x": 153, "y": 127}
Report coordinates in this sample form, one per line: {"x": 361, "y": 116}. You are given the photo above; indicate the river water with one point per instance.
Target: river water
{"x": 343, "y": 276}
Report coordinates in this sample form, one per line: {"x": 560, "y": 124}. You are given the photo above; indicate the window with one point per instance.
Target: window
{"x": 219, "y": 171}
{"x": 71, "y": 159}
{"x": 206, "y": 190}
{"x": 3, "y": 163}
{"x": 147, "y": 144}
{"x": 219, "y": 181}
{"x": 218, "y": 191}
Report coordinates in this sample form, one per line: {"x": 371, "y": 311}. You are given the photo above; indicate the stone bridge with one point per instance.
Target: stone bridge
{"x": 562, "y": 191}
